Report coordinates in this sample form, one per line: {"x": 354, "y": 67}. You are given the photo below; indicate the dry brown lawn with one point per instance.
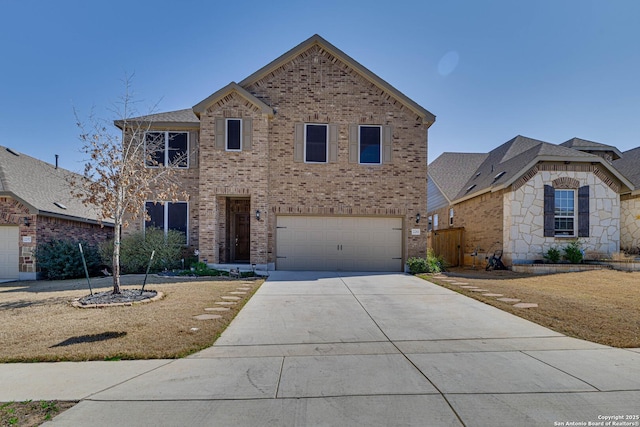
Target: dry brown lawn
{"x": 601, "y": 306}
{"x": 39, "y": 323}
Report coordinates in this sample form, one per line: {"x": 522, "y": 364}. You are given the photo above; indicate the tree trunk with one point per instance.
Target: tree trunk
{"x": 116, "y": 258}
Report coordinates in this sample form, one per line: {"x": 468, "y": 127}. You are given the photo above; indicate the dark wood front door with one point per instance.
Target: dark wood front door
{"x": 242, "y": 237}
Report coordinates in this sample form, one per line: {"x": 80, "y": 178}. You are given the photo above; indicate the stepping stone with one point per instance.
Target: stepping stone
{"x": 450, "y": 280}
{"x": 492, "y": 295}
{"x": 207, "y": 317}
{"x": 217, "y": 309}
{"x": 238, "y": 293}
{"x": 479, "y": 290}
{"x": 243, "y": 289}
{"x": 224, "y": 303}
{"x": 469, "y": 287}
{"x": 525, "y": 305}
{"x": 231, "y": 298}
{"x": 459, "y": 283}
{"x": 508, "y": 299}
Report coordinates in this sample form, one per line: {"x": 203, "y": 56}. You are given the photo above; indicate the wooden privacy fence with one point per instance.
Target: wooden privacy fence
{"x": 449, "y": 243}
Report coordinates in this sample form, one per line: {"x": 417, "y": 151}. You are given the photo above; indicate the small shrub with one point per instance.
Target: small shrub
{"x": 430, "y": 264}
{"x": 552, "y": 255}
{"x": 573, "y": 252}
{"x": 418, "y": 265}
{"x": 61, "y": 259}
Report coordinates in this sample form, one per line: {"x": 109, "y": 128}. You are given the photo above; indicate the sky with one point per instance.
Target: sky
{"x": 488, "y": 69}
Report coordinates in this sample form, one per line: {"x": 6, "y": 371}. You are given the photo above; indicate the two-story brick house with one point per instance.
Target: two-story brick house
{"x": 311, "y": 162}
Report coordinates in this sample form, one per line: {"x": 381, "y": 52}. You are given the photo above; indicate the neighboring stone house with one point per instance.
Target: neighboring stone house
{"x": 36, "y": 206}
{"x": 629, "y": 166}
{"x": 312, "y": 162}
{"x": 527, "y": 196}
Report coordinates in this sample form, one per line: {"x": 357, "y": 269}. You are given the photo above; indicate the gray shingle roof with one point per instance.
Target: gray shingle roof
{"x": 450, "y": 171}
{"x": 184, "y": 117}
{"x": 41, "y": 186}
{"x": 463, "y": 174}
{"x": 584, "y": 145}
{"x": 629, "y": 166}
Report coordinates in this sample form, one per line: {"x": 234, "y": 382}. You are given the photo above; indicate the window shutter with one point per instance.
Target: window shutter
{"x": 333, "y": 143}
{"x": 247, "y": 133}
{"x": 353, "y": 143}
{"x": 549, "y": 211}
{"x": 583, "y": 211}
{"x": 194, "y": 146}
{"x": 298, "y": 143}
{"x": 220, "y": 133}
{"x": 387, "y": 140}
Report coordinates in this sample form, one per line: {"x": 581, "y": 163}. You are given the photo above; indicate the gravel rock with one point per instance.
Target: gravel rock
{"x": 126, "y": 296}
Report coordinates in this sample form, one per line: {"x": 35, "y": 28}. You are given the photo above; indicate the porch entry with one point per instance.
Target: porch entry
{"x": 238, "y": 230}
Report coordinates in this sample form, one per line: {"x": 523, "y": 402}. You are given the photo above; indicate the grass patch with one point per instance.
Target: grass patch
{"x": 30, "y": 413}
{"x": 599, "y": 306}
{"x": 39, "y": 324}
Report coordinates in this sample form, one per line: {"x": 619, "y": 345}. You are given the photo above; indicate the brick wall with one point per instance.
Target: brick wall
{"x": 42, "y": 229}
{"x": 482, "y": 219}
{"x": 317, "y": 88}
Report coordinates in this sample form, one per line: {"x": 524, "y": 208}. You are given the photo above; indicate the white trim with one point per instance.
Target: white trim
{"x": 326, "y": 146}
{"x": 166, "y": 148}
{"x": 226, "y": 134}
{"x": 359, "y": 134}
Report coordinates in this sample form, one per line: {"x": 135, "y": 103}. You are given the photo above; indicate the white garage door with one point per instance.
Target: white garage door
{"x": 339, "y": 243}
{"x": 9, "y": 252}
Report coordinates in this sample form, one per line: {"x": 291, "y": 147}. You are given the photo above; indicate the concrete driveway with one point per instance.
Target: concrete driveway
{"x": 354, "y": 349}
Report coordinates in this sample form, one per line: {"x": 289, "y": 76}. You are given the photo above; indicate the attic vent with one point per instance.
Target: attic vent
{"x": 471, "y": 188}
{"x": 60, "y": 205}
{"x": 497, "y": 177}
{"x": 477, "y": 175}
{"x": 15, "y": 153}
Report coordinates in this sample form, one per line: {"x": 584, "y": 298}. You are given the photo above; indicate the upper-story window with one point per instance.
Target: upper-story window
{"x": 167, "y": 149}
{"x": 233, "y": 135}
{"x": 370, "y": 145}
{"x": 316, "y": 147}
{"x": 564, "y": 212}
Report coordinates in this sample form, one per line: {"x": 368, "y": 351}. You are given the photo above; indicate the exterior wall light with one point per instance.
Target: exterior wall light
{"x": 417, "y": 218}
{"x": 258, "y": 214}
{"x": 26, "y": 221}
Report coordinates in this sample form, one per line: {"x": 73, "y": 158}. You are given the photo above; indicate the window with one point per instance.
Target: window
{"x": 370, "y": 145}
{"x": 429, "y": 223}
{"x": 564, "y": 212}
{"x": 451, "y": 217}
{"x": 167, "y": 149}
{"x": 435, "y": 222}
{"x": 167, "y": 216}
{"x": 234, "y": 135}
{"x": 315, "y": 143}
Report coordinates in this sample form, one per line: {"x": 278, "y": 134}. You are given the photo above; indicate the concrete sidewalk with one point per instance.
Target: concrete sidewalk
{"x": 352, "y": 349}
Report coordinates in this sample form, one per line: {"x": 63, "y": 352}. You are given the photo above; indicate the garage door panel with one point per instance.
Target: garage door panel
{"x": 9, "y": 255}
{"x": 339, "y": 243}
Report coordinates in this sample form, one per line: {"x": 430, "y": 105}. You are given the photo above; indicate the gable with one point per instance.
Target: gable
{"x": 220, "y": 96}
{"x": 316, "y": 45}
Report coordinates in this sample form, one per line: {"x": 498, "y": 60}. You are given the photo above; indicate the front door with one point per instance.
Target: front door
{"x": 242, "y": 237}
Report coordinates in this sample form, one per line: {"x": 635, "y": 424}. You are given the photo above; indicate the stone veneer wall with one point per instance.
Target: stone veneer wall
{"x": 524, "y": 217}
{"x": 630, "y": 222}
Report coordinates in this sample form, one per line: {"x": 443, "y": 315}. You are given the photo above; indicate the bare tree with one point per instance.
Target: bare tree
{"x": 123, "y": 171}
